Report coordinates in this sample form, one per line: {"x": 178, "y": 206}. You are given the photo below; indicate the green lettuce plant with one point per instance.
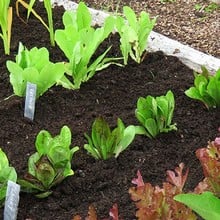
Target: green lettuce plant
{"x": 206, "y": 88}
{"x": 33, "y": 66}
{"x": 206, "y": 204}
{"x": 6, "y": 173}
{"x": 155, "y": 114}
{"x": 50, "y": 165}
{"x": 48, "y": 7}
{"x": 134, "y": 32}
{"x": 104, "y": 143}
{"x": 5, "y": 24}
{"x": 79, "y": 41}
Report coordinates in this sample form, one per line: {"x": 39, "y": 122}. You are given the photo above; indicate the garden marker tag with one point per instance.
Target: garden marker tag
{"x": 30, "y": 100}
{"x": 11, "y": 201}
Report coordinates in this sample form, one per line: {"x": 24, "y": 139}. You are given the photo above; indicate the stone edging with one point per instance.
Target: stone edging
{"x": 192, "y": 58}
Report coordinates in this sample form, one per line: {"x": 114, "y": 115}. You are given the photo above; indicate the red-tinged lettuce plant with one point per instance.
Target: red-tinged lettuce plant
{"x": 155, "y": 203}
{"x": 113, "y": 214}
{"x": 205, "y": 199}
{"x": 209, "y": 159}
{"x": 50, "y": 165}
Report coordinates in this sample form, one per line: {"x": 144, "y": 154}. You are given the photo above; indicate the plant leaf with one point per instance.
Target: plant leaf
{"x": 206, "y": 204}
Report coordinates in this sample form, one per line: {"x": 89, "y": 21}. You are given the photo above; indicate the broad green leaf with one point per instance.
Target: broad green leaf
{"x": 45, "y": 174}
{"x": 58, "y": 156}
{"x": 65, "y": 135}
{"x": 48, "y": 76}
{"x": 43, "y": 142}
{"x": 213, "y": 89}
{"x": 69, "y": 19}
{"x": 193, "y": 93}
{"x": 66, "y": 40}
{"x": 33, "y": 159}
{"x": 206, "y": 204}
{"x": 128, "y": 137}
{"x": 163, "y": 112}
{"x": 3, "y": 160}
{"x": 16, "y": 78}
{"x": 83, "y": 15}
{"x": 145, "y": 27}
{"x": 151, "y": 127}
{"x": 131, "y": 17}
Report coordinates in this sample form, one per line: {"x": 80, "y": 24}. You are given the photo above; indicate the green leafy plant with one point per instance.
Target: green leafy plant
{"x": 79, "y": 41}
{"x": 206, "y": 88}
{"x": 5, "y": 24}
{"x": 50, "y": 165}
{"x": 104, "y": 143}
{"x": 33, "y": 66}
{"x": 155, "y": 114}
{"x": 6, "y": 173}
{"x": 157, "y": 202}
{"x": 48, "y": 7}
{"x": 134, "y": 32}
{"x": 206, "y": 204}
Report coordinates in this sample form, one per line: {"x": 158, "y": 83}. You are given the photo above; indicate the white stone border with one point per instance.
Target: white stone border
{"x": 192, "y": 58}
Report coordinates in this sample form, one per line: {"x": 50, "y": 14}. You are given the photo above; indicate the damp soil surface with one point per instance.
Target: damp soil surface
{"x": 111, "y": 93}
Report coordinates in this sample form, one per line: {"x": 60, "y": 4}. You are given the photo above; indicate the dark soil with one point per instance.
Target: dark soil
{"x": 111, "y": 93}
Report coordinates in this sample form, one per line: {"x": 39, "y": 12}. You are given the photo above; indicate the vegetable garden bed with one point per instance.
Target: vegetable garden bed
{"x": 111, "y": 93}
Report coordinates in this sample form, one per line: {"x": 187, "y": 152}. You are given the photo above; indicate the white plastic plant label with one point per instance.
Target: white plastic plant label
{"x": 11, "y": 201}
{"x": 30, "y": 100}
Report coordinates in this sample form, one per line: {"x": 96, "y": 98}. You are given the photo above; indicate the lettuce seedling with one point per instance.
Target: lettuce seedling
{"x": 154, "y": 202}
{"x": 50, "y": 165}
{"x": 104, "y": 143}
{"x": 48, "y": 7}
{"x": 6, "y": 173}
{"x": 5, "y": 24}
{"x": 206, "y": 88}
{"x": 206, "y": 204}
{"x": 209, "y": 159}
{"x": 155, "y": 114}
{"x": 33, "y": 66}
{"x": 134, "y": 32}
{"x": 79, "y": 41}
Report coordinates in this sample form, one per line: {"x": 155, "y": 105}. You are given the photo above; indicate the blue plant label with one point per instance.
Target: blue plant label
{"x": 11, "y": 201}
{"x": 30, "y": 100}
